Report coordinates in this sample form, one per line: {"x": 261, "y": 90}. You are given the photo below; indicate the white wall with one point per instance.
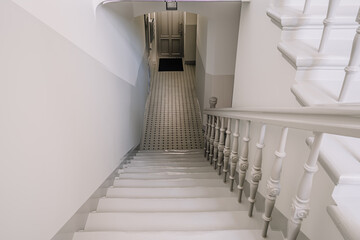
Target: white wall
{"x": 263, "y": 79}
{"x": 66, "y": 117}
{"x": 190, "y": 26}
{"x": 217, "y": 33}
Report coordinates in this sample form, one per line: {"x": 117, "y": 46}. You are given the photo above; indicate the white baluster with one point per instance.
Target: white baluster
{"x": 221, "y": 145}
{"x": 273, "y": 184}
{"x": 208, "y": 138}
{"x": 256, "y": 170}
{"x": 216, "y": 141}
{"x": 234, "y": 157}
{"x": 300, "y": 206}
{"x": 227, "y": 150}
{"x": 206, "y": 134}
{"x": 328, "y": 22}
{"x": 353, "y": 68}
{"x": 243, "y": 161}
{"x": 307, "y": 6}
{"x": 212, "y": 138}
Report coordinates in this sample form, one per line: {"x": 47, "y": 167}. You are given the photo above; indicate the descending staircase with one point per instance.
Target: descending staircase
{"x": 164, "y": 195}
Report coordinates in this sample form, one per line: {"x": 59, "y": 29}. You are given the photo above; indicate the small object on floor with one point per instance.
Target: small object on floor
{"x": 170, "y": 64}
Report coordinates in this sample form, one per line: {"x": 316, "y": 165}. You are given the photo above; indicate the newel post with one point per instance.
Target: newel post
{"x": 234, "y": 157}
{"x": 212, "y": 138}
{"x": 212, "y": 102}
{"x": 300, "y": 207}
{"x": 227, "y": 150}
{"x": 256, "y": 173}
{"x": 243, "y": 160}
{"x": 273, "y": 184}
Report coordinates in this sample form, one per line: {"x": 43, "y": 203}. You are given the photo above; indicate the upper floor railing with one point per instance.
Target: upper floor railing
{"x": 221, "y": 123}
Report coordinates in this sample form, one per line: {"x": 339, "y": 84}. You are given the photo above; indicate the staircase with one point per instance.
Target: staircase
{"x": 167, "y": 195}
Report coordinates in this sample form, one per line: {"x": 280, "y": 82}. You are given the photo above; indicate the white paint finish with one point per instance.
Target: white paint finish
{"x": 102, "y": 33}
{"x": 169, "y": 205}
{"x": 147, "y": 176}
{"x": 171, "y": 192}
{"x": 173, "y": 235}
{"x": 167, "y": 183}
{"x": 166, "y": 169}
{"x": 63, "y": 112}
{"x": 344, "y": 220}
{"x": 170, "y": 221}
{"x": 262, "y": 77}
{"x": 345, "y": 171}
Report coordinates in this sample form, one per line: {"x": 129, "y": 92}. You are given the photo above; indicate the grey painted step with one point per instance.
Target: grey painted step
{"x": 168, "y": 160}
{"x": 176, "y": 235}
{"x": 190, "y": 192}
{"x": 171, "y": 164}
{"x": 180, "y": 182}
{"x": 169, "y": 204}
{"x": 168, "y": 175}
{"x": 171, "y": 221}
{"x": 166, "y": 169}
{"x": 198, "y": 156}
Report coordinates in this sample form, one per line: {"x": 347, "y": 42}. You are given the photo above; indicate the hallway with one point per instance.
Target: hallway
{"x": 173, "y": 119}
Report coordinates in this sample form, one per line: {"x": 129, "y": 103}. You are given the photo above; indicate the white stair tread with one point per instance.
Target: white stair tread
{"x": 168, "y": 175}
{"x": 345, "y": 171}
{"x": 169, "y": 204}
{"x": 179, "y": 182}
{"x": 172, "y": 164}
{"x": 303, "y": 54}
{"x": 160, "y": 169}
{"x": 290, "y": 17}
{"x": 155, "y": 160}
{"x": 176, "y": 235}
{"x": 190, "y": 192}
{"x": 346, "y": 220}
{"x": 171, "y": 221}
{"x": 308, "y": 94}
{"x": 169, "y": 155}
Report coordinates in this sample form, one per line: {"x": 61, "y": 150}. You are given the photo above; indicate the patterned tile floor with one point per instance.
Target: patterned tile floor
{"x": 172, "y": 118}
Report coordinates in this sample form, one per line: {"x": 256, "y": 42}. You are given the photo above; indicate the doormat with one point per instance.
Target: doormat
{"x": 170, "y": 64}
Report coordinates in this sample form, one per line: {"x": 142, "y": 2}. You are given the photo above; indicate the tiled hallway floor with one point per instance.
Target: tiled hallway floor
{"x": 172, "y": 119}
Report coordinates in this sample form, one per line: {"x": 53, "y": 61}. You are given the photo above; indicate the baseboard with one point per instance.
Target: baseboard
{"x": 78, "y": 220}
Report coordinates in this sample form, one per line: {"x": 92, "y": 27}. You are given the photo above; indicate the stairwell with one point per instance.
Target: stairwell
{"x": 171, "y": 195}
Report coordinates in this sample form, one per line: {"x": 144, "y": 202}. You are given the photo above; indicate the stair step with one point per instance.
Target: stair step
{"x": 176, "y": 235}
{"x": 155, "y": 160}
{"x": 180, "y": 182}
{"x": 159, "y": 169}
{"x": 188, "y": 155}
{"x": 170, "y": 164}
{"x": 190, "y": 192}
{"x": 171, "y": 221}
{"x": 169, "y": 204}
{"x": 168, "y": 175}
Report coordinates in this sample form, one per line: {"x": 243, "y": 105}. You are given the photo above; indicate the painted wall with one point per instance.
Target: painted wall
{"x": 67, "y": 114}
{"x": 263, "y": 79}
{"x": 190, "y": 26}
{"x": 217, "y": 34}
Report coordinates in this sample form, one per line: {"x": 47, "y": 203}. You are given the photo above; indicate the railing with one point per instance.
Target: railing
{"x": 340, "y": 120}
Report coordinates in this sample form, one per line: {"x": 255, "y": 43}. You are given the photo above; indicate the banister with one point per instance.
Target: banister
{"x": 341, "y": 119}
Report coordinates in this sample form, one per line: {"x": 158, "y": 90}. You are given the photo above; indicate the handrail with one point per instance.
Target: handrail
{"x": 339, "y": 119}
